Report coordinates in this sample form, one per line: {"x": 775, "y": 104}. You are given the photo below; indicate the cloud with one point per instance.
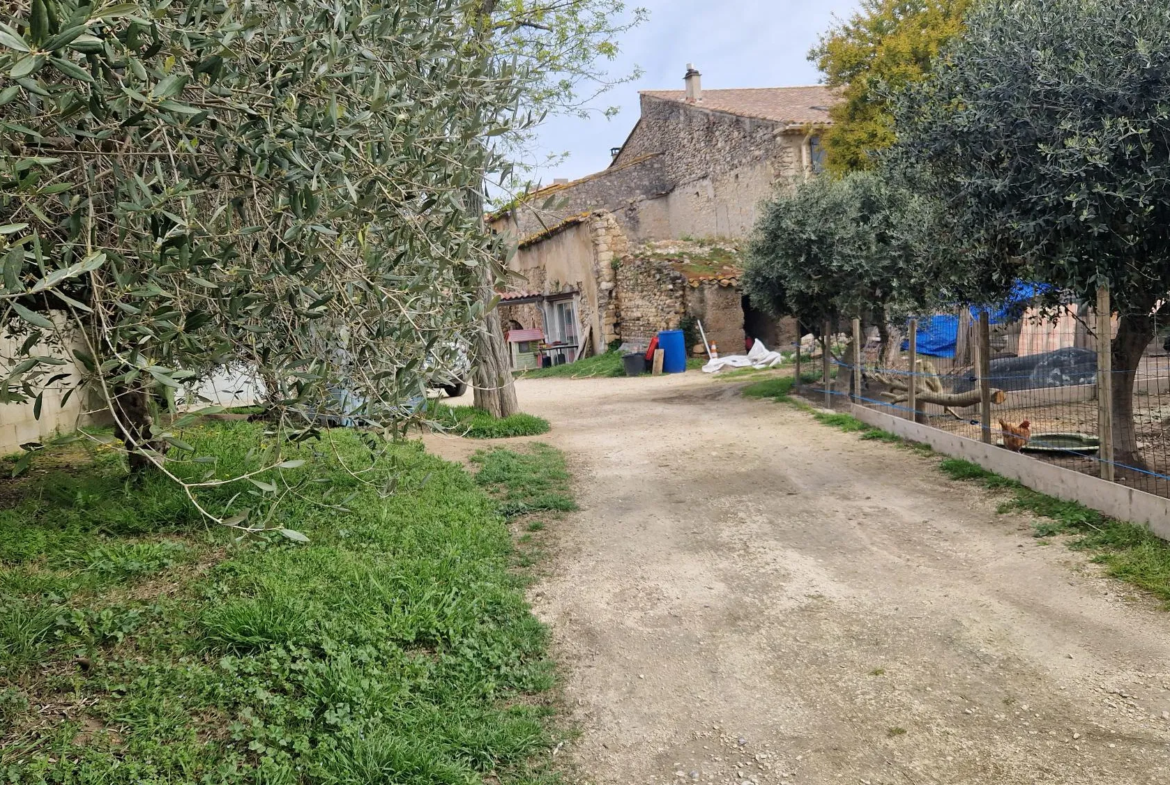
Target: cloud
{"x": 736, "y": 43}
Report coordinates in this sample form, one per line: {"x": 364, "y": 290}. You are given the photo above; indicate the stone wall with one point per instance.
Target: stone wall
{"x": 701, "y": 143}
{"x": 727, "y": 204}
{"x": 18, "y": 422}
{"x": 232, "y": 386}
{"x": 651, "y": 297}
{"x": 631, "y": 192}
{"x": 527, "y": 315}
{"x": 719, "y": 305}
{"x": 684, "y": 171}
{"x": 576, "y": 255}
{"x": 610, "y": 245}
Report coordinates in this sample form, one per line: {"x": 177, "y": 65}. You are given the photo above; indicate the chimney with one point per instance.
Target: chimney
{"x": 561, "y": 181}
{"x": 694, "y": 85}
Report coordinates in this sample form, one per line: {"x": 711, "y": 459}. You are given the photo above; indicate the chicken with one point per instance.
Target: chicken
{"x": 1016, "y": 436}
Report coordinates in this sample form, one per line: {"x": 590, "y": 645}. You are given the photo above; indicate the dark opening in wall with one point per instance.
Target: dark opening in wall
{"x": 759, "y": 325}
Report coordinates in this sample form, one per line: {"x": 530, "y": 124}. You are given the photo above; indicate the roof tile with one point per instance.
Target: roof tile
{"x": 791, "y": 105}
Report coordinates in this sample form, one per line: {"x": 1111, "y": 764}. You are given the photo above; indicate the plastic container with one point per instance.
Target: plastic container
{"x": 635, "y": 364}
{"x": 674, "y": 347}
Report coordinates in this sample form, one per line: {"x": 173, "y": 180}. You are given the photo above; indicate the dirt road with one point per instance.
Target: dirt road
{"x": 749, "y": 596}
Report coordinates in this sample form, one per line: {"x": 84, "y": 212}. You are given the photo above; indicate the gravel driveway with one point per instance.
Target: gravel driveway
{"x": 750, "y": 597}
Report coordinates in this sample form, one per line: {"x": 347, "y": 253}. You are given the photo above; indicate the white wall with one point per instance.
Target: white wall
{"x": 18, "y": 425}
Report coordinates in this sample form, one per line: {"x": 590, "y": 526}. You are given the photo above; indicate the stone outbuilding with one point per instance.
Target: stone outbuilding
{"x": 697, "y": 167}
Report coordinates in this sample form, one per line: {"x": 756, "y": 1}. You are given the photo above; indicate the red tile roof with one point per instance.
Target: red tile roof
{"x": 521, "y": 295}
{"x": 520, "y": 336}
{"x": 790, "y": 105}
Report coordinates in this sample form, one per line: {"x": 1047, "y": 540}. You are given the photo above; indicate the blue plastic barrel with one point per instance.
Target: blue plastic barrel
{"x": 674, "y": 351}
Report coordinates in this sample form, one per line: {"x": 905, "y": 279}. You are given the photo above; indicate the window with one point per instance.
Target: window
{"x": 563, "y": 321}
{"x": 816, "y": 155}
{"x": 567, "y": 321}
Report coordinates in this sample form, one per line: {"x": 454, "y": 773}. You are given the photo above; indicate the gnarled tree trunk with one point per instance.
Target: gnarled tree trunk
{"x": 495, "y": 390}
{"x": 133, "y": 426}
{"x": 1134, "y": 334}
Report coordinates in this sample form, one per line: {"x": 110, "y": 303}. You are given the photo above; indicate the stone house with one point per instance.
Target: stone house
{"x": 697, "y": 166}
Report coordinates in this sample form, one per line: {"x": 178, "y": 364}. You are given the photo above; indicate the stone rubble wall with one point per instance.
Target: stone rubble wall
{"x": 699, "y": 143}
{"x": 685, "y": 171}
{"x": 651, "y": 297}
{"x": 576, "y": 256}
{"x": 718, "y": 303}
{"x": 527, "y": 315}
{"x": 633, "y": 193}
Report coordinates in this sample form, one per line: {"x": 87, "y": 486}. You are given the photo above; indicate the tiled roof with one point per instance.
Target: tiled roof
{"x": 790, "y": 105}
{"x": 520, "y": 295}
{"x": 520, "y": 336}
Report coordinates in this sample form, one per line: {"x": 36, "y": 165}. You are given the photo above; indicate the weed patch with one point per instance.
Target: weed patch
{"x": 877, "y": 435}
{"x": 478, "y": 424}
{"x": 608, "y": 365}
{"x": 525, "y": 482}
{"x": 737, "y": 374}
{"x": 842, "y": 422}
{"x": 396, "y": 646}
{"x": 600, "y": 365}
{"x": 776, "y": 389}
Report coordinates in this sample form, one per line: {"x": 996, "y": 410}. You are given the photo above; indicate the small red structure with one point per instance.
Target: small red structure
{"x": 527, "y": 346}
{"x": 525, "y": 336}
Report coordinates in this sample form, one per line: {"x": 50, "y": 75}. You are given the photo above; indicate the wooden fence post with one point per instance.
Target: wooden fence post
{"x": 857, "y": 354}
{"x": 826, "y": 364}
{"x": 1105, "y": 382}
{"x": 912, "y": 379}
{"x": 984, "y": 359}
{"x": 799, "y": 336}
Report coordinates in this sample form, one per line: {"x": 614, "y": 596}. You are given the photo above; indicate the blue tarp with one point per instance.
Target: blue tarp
{"x": 938, "y": 335}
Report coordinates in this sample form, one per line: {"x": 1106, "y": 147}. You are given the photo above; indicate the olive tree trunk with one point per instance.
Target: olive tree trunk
{"x": 495, "y": 390}
{"x": 1134, "y": 334}
{"x": 134, "y": 427}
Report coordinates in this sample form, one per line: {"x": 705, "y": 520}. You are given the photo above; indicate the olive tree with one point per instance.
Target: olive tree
{"x": 1044, "y": 133}
{"x": 837, "y": 248}
{"x": 276, "y": 184}
{"x": 559, "y": 44}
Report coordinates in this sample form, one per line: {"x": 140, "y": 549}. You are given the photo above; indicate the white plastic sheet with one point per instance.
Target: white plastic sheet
{"x": 757, "y": 357}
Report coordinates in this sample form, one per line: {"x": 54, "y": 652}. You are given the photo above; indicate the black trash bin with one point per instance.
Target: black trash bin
{"x": 635, "y": 364}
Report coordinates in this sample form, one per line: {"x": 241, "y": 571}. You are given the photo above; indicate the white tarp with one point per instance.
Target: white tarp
{"x": 757, "y": 357}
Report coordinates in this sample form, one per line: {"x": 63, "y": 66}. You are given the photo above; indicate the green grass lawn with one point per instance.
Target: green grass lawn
{"x": 477, "y": 424}
{"x": 601, "y": 365}
{"x": 742, "y": 374}
{"x": 137, "y": 645}
{"x": 780, "y": 388}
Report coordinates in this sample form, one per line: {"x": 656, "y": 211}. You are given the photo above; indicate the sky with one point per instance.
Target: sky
{"x": 733, "y": 43}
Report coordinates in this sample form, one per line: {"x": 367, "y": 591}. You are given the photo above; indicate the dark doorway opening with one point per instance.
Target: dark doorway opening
{"x": 758, "y": 325}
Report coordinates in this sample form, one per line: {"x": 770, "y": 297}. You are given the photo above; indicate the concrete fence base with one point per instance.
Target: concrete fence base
{"x": 1116, "y": 501}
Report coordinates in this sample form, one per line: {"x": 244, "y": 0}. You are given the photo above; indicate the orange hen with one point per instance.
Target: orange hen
{"x": 1016, "y": 436}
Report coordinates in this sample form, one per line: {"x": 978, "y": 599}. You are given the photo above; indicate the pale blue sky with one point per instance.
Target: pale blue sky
{"x": 733, "y": 43}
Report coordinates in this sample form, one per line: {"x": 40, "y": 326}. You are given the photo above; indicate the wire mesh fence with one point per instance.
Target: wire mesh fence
{"x": 1040, "y": 376}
